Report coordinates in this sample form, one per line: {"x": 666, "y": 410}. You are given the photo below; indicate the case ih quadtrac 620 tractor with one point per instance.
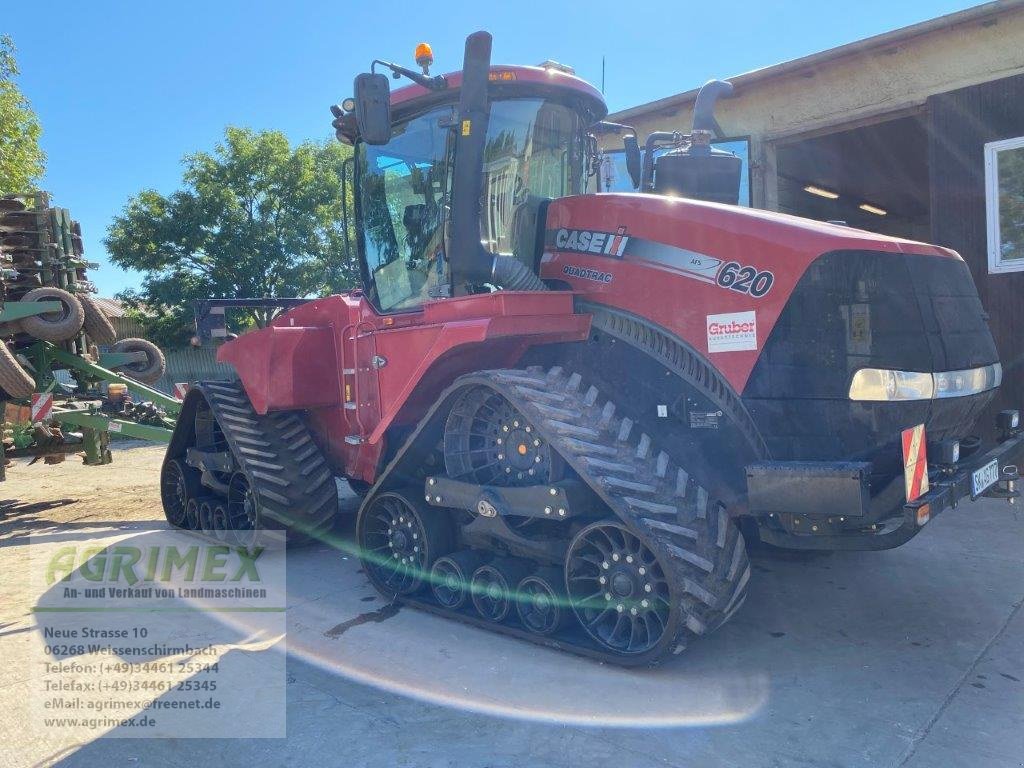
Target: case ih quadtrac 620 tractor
{"x": 568, "y": 412}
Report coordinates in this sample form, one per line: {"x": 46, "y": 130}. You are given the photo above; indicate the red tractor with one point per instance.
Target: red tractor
{"x": 568, "y": 412}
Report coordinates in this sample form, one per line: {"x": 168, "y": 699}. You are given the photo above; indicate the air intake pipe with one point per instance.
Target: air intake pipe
{"x": 471, "y": 263}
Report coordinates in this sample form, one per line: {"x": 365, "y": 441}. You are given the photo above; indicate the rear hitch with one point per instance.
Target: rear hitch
{"x": 1006, "y": 487}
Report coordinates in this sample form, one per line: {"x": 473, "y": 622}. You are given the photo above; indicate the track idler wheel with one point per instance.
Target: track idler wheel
{"x": 178, "y": 484}
{"x": 241, "y": 512}
{"x": 541, "y": 602}
{"x": 493, "y": 587}
{"x": 619, "y": 590}
{"x": 399, "y": 539}
{"x": 451, "y": 576}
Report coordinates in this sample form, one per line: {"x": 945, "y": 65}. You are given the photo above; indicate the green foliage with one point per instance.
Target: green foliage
{"x": 255, "y": 218}
{"x": 21, "y": 159}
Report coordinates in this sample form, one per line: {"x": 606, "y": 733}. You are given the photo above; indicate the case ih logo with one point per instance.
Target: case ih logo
{"x": 732, "y": 332}
{"x": 588, "y": 241}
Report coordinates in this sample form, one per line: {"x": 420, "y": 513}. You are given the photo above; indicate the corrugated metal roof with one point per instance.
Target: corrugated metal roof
{"x": 109, "y": 307}
{"x": 976, "y": 14}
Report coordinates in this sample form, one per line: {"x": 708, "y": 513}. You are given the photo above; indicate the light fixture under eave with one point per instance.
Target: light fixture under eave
{"x": 821, "y": 192}
{"x": 873, "y": 209}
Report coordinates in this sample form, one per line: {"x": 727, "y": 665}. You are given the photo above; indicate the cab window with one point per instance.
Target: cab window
{"x": 402, "y": 189}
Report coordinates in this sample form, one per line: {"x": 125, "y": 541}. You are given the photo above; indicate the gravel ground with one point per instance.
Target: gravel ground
{"x": 41, "y": 497}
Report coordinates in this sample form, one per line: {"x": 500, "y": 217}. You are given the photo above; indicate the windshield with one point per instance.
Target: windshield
{"x": 402, "y": 188}
{"x": 534, "y": 152}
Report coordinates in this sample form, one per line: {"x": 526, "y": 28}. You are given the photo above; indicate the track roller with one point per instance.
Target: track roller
{"x": 399, "y": 538}
{"x": 218, "y": 521}
{"x": 451, "y": 576}
{"x": 541, "y": 602}
{"x": 206, "y": 515}
{"x": 493, "y": 587}
{"x": 192, "y": 515}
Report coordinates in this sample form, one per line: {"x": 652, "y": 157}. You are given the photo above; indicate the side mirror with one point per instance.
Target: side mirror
{"x": 632, "y": 152}
{"x": 373, "y": 107}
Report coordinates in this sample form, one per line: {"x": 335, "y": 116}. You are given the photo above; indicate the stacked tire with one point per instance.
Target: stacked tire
{"x": 42, "y": 259}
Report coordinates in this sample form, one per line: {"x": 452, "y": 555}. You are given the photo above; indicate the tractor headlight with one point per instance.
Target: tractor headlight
{"x": 882, "y": 385}
{"x": 969, "y": 382}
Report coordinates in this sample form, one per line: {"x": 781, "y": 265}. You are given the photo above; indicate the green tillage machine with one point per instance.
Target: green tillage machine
{"x": 84, "y": 412}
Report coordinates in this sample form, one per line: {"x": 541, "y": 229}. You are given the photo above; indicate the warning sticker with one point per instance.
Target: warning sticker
{"x": 732, "y": 332}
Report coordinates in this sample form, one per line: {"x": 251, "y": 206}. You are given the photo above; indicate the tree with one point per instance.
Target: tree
{"x": 256, "y": 218}
{"x": 21, "y": 159}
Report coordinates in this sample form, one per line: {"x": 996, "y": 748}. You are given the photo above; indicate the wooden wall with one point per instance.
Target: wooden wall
{"x": 961, "y": 122}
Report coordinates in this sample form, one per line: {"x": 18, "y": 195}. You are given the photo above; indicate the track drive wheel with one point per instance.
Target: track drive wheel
{"x": 619, "y": 590}
{"x": 178, "y": 484}
{"x": 399, "y": 539}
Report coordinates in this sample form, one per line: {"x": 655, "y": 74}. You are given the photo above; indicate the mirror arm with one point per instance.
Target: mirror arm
{"x": 435, "y": 83}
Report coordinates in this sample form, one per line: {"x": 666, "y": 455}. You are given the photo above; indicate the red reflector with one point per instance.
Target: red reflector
{"x": 915, "y": 462}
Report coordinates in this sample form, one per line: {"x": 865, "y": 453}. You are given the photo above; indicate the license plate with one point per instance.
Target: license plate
{"x": 984, "y": 477}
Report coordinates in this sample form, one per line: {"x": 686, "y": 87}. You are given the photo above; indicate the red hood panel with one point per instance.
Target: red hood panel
{"x": 717, "y": 276}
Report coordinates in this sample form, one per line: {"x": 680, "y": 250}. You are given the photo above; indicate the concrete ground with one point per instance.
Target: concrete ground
{"x": 912, "y": 657}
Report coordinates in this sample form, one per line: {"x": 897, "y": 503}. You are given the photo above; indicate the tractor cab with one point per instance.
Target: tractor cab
{"x": 452, "y": 175}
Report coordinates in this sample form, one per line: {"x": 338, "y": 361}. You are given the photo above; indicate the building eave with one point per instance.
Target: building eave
{"x": 975, "y": 15}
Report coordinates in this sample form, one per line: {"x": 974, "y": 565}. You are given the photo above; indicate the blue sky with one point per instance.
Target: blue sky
{"x": 125, "y": 89}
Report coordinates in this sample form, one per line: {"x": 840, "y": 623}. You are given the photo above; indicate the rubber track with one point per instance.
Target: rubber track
{"x": 703, "y": 550}
{"x": 293, "y": 483}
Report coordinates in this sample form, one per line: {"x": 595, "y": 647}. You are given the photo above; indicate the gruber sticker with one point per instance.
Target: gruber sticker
{"x": 586, "y": 273}
{"x": 732, "y": 332}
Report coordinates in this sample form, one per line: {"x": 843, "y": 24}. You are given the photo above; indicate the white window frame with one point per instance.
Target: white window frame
{"x": 996, "y": 265}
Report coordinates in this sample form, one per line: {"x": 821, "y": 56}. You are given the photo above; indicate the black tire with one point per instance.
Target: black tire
{"x": 148, "y": 371}
{"x": 97, "y": 325}
{"x": 14, "y": 380}
{"x": 179, "y": 483}
{"x": 399, "y": 539}
{"x": 54, "y": 326}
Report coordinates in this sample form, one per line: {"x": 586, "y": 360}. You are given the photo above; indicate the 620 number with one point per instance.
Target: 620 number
{"x": 745, "y": 279}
